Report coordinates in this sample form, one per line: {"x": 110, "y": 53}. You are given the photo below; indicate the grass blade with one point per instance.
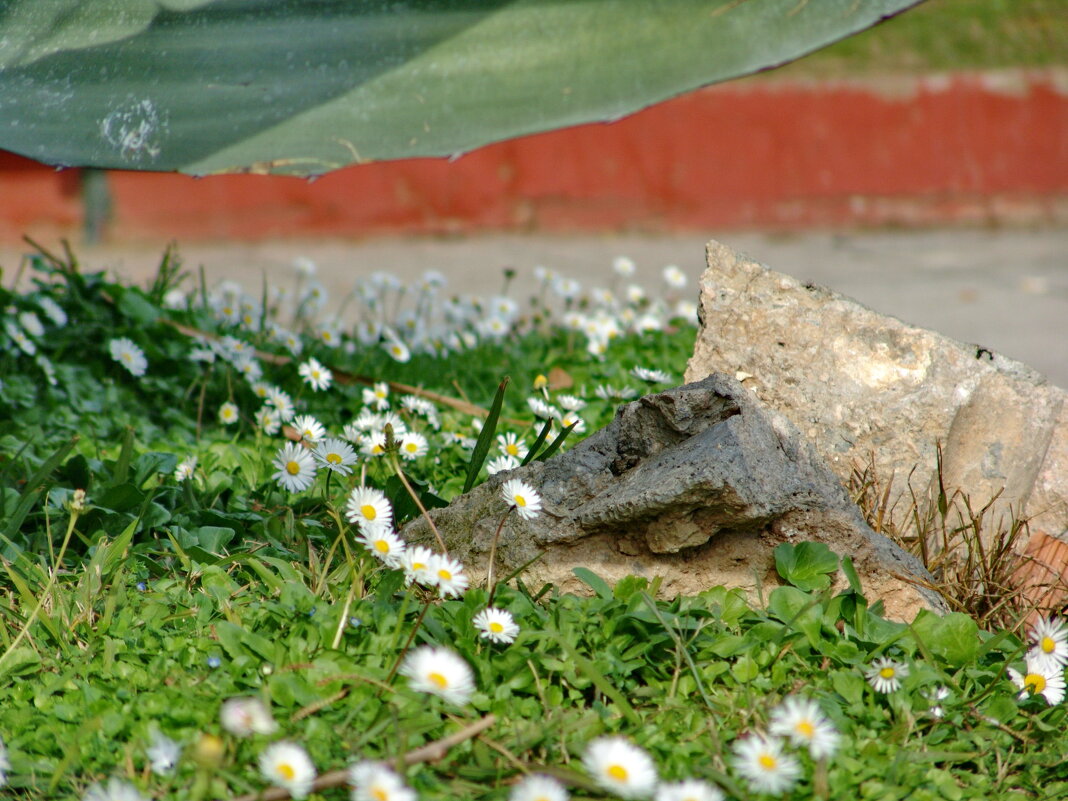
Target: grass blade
{"x": 554, "y": 446}
{"x": 485, "y": 437}
{"x": 538, "y": 442}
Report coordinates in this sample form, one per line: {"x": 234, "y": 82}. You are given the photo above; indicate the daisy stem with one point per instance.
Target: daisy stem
{"x": 493, "y": 556}
{"x": 415, "y": 497}
{"x": 408, "y": 644}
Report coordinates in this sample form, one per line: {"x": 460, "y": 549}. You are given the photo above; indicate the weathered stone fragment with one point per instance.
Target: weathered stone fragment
{"x": 862, "y": 386}
{"x": 696, "y": 485}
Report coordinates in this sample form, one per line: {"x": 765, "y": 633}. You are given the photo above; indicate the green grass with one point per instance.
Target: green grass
{"x": 146, "y": 609}
{"x": 948, "y": 35}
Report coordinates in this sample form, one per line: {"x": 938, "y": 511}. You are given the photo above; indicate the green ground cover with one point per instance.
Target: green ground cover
{"x": 948, "y": 35}
{"x": 204, "y": 619}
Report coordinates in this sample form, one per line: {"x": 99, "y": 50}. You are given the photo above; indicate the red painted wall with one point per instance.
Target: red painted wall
{"x": 756, "y": 153}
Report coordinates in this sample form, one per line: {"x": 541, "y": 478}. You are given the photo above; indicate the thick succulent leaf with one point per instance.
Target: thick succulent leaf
{"x": 206, "y": 86}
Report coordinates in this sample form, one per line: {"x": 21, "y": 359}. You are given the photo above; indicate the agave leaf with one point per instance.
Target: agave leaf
{"x": 284, "y": 86}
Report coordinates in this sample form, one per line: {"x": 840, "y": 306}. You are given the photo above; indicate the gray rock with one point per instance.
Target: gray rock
{"x": 696, "y": 485}
{"x": 863, "y": 386}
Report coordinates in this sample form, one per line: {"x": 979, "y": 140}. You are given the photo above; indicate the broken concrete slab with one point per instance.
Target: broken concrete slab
{"x": 864, "y": 386}
{"x": 696, "y": 485}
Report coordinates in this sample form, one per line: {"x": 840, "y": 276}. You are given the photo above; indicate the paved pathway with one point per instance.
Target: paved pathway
{"x": 1005, "y": 290}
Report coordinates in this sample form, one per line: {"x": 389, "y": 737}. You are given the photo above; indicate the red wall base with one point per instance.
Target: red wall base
{"x": 965, "y": 148}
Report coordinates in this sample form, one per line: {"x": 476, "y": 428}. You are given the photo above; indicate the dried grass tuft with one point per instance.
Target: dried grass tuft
{"x": 984, "y": 565}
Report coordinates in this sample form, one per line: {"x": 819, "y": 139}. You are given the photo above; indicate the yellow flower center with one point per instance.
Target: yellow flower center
{"x": 512, "y": 449}
{"x": 368, "y": 511}
{"x": 285, "y": 770}
{"x": 127, "y": 357}
{"x": 379, "y": 794}
{"x": 381, "y": 546}
{"x": 418, "y": 566}
{"x": 617, "y": 772}
{"x": 496, "y": 627}
{"x": 1047, "y": 645}
{"x": 520, "y": 500}
{"x": 411, "y": 447}
{"x": 377, "y": 450}
{"x": 444, "y": 575}
{"x": 438, "y": 680}
{"x": 1035, "y": 682}
{"x": 768, "y": 762}
{"x": 887, "y": 672}
{"x": 292, "y": 468}
{"x": 333, "y": 458}
{"x": 805, "y": 728}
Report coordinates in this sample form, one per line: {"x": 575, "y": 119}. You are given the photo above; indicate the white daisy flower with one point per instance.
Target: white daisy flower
{"x": 801, "y": 721}
{"x": 571, "y": 418}
{"x": 243, "y": 717}
{"x": 202, "y": 354}
{"x": 674, "y": 277}
{"x": 1049, "y": 640}
{"x": 309, "y": 428}
{"x": 623, "y": 266}
{"x": 523, "y": 497}
{"x": 761, "y": 761}
{"x": 369, "y": 509}
{"x": 26, "y": 345}
{"x": 248, "y": 367}
{"x": 635, "y": 294}
{"x": 386, "y": 546}
{"x": 315, "y": 375}
{"x": 115, "y": 790}
{"x": 373, "y": 781}
{"x": 163, "y": 754}
{"x": 289, "y": 766}
{"x": 268, "y": 419}
{"x": 571, "y": 403}
{"x": 373, "y": 444}
{"x": 566, "y": 288}
{"x": 496, "y": 625}
{"x": 936, "y": 696}
{"x": 416, "y": 562}
{"x": 53, "y": 311}
{"x": 394, "y": 420}
{"x": 397, "y": 349}
{"x": 500, "y": 464}
{"x": 1040, "y": 679}
{"x": 510, "y": 445}
{"x": 329, "y": 335}
{"x": 651, "y": 376}
{"x": 448, "y": 576}
{"x": 439, "y": 671}
{"x": 126, "y": 353}
{"x": 282, "y": 403}
{"x": 296, "y": 467}
{"x": 412, "y": 446}
{"x": 688, "y": 790}
{"x": 885, "y": 674}
{"x": 185, "y": 469}
{"x": 377, "y": 396}
{"x": 538, "y": 788}
{"x": 685, "y": 310}
{"x": 261, "y": 389}
{"x": 32, "y": 323}
{"x": 304, "y": 266}
{"x": 620, "y": 767}
{"x": 335, "y": 455}
{"x": 229, "y": 414}
{"x": 543, "y": 410}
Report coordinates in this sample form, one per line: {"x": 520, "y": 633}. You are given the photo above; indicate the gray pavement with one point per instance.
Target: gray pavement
{"x": 1006, "y": 290}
